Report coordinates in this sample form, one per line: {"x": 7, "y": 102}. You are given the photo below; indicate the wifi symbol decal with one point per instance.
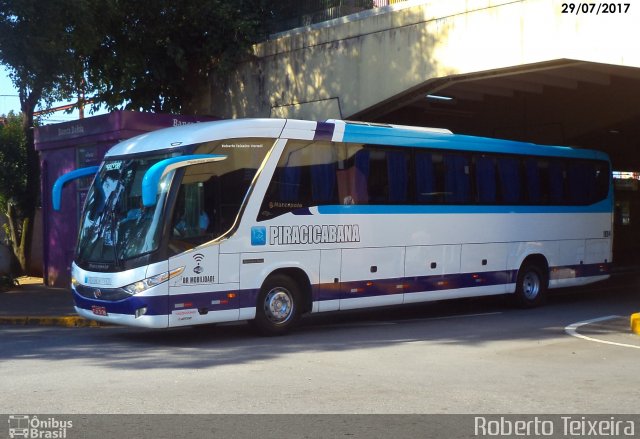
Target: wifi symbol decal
{"x": 198, "y": 257}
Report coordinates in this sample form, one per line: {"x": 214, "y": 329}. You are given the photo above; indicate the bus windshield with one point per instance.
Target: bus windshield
{"x": 115, "y": 225}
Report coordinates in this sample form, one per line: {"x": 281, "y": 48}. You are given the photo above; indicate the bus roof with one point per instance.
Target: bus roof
{"x": 336, "y": 131}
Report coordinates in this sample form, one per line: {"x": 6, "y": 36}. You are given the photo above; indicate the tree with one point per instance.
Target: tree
{"x": 152, "y": 56}
{"x": 158, "y": 56}
{"x": 39, "y": 43}
{"x": 13, "y": 161}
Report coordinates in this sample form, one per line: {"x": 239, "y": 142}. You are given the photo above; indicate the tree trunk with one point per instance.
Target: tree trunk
{"x": 18, "y": 237}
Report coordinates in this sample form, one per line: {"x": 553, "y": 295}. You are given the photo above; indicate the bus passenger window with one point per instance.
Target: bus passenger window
{"x": 486, "y": 179}
{"x": 510, "y": 179}
{"x": 457, "y": 183}
{"x": 425, "y": 178}
{"x": 533, "y": 181}
{"x": 601, "y": 175}
{"x": 353, "y": 177}
{"x": 397, "y": 171}
{"x": 579, "y": 182}
{"x": 306, "y": 176}
{"x": 557, "y": 175}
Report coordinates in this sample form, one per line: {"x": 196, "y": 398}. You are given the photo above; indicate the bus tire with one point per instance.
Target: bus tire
{"x": 278, "y": 308}
{"x": 531, "y": 286}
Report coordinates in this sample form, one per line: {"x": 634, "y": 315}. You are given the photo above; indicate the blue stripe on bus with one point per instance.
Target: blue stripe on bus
{"x": 164, "y": 305}
{"x": 408, "y": 137}
{"x": 603, "y": 206}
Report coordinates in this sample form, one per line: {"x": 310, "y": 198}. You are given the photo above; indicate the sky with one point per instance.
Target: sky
{"x": 8, "y": 94}
{"x": 9, "y": 101}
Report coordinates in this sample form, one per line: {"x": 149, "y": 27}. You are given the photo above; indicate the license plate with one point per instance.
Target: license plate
{"x": 99, "y": 310}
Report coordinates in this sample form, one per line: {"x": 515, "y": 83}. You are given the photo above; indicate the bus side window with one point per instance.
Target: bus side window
{"x": 323, "y": 183}
{"x": 289, "y": 183}
{"x": 457, "y": 182}
{"x": 388, "y": 176}
{"x": 534, "y": 181}
{"x": 601, "y": 176}
{"x": 557, "y": 176}
{"x": 306, "y": 175}
{"x": 510, "y": 180}
{"x": 486, "y": 179}
{"x": 353, "y": 187}
{"x": 425, "y": 178}
{"x": 580, "y": 185}
{"x": 377, "y": 177}
{"x": 190, "y": 221}
{"x": 397, "y": 172}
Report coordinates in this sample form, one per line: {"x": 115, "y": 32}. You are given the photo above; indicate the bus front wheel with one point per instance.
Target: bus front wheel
{"x": 278, "y": 306}
{"x": 531, "y": 286}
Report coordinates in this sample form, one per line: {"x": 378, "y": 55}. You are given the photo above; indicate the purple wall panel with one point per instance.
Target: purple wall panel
{"x": 60, "y": 226}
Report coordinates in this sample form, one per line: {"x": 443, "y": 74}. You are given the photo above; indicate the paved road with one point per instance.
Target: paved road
{"x": 465, "y": 356}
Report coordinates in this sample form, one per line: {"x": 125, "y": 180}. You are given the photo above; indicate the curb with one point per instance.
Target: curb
{"x": 65, "y": 321}
{"x": 635, "y": 323}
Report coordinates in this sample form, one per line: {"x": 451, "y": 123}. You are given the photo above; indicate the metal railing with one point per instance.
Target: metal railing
{"x": 308, "y": 12}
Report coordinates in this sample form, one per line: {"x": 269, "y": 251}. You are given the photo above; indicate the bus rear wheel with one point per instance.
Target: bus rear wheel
{"x": 531, "y": 286}
{"x": 278, "y": 306}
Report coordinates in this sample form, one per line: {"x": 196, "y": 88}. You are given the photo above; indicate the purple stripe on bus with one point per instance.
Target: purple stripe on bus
{"x": 247, "y": 298}
{"x": 324, "y": 131}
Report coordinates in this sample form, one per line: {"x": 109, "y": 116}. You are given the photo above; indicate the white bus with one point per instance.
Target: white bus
{"x": 269, "y": 219}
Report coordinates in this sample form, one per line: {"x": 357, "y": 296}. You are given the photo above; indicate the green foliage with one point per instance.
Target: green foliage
{"x": 158, "y": 56}
{"x": 14, "y": 184}
{"x": 39, "y": 44}
{"x": 42, "y": 43}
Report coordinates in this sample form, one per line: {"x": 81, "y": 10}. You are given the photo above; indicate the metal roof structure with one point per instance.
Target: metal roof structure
{"x": 560, "y": 102}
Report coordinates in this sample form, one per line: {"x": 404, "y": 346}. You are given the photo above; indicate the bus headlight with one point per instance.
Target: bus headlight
{"x": 145, "y": 284}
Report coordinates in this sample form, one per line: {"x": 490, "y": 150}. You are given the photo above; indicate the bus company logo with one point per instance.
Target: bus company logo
{"x": 324, "y": 234}
{"x": 32, "y": 427}
{"x": 258, "y": 235}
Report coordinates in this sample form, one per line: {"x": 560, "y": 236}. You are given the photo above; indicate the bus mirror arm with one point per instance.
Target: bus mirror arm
{"x": 56, "y": 193}
{"x": 154, "y": 174}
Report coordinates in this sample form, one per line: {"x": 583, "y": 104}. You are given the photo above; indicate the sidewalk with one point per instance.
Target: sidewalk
{"x": 33, "y": 303}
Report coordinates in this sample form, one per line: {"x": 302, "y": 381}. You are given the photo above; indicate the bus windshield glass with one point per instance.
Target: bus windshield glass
{"x": 115, "y": 226}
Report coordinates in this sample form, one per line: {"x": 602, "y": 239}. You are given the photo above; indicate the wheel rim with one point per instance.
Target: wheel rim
{"x": 278, "y": 305}
{"x": 531, "y": 285}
